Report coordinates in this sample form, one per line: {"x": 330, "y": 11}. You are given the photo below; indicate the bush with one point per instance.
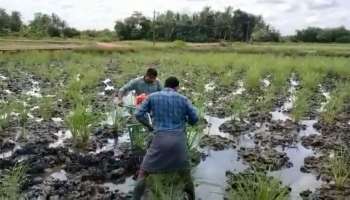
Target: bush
{"x": 179, "y": 44}
{"x": 343, "y": 39}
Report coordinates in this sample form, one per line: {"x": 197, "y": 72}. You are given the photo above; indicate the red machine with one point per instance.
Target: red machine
{"x": 140, "y": 98}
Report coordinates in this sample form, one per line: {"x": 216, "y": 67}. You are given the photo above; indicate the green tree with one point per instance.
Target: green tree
{"x": 15, "y": 21}
{"x": 4, "y": 22}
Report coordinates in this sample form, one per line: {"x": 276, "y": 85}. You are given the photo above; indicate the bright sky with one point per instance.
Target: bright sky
{"x": 285, "y": 15}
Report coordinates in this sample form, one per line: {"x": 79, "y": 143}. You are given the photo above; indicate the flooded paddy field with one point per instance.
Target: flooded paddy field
{"x": 287, "y": 118}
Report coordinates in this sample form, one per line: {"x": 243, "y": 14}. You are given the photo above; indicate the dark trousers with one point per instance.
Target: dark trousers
{"x": 140, "y": 186}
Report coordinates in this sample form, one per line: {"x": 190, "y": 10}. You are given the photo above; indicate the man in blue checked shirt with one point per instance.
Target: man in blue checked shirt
{"x": 170, "y": 112}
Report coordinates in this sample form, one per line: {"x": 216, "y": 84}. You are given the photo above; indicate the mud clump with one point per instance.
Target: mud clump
{"x": 54, "y": 189}
{"x": 216, "y": 142}
{"x": 235, "y": 128}
{"x": 267, "y": 159}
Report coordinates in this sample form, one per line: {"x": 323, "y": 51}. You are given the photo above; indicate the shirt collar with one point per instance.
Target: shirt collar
{"x": 169, "y": 89}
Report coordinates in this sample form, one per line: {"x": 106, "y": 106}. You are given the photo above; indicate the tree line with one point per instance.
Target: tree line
{"x": 326, "y": 35}
{"x": 45, "y": 26}
{"x": 205, "y": 26}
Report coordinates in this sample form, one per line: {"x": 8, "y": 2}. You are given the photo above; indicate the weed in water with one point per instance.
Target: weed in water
{"x": 340, "y": 168}
{"x": 255, "y": 185}
{"x": 80, "y": 122}
{"x": 11, "y": 183}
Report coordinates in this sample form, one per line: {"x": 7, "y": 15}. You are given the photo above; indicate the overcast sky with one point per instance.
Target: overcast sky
{"x": 285, "y": 15}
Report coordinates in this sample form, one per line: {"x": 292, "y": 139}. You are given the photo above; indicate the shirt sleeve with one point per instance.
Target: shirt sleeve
{"x": 131, "y": 85}
{"x": 191, "y": 113}
{"x": 141, "y": 113}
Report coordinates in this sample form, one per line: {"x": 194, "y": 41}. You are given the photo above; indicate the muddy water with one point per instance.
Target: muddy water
{"x": 210, "y": 173}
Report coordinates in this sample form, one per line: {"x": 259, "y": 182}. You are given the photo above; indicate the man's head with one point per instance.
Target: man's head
{"x": 172, "y": 82}
{"x": 151, "y": 75}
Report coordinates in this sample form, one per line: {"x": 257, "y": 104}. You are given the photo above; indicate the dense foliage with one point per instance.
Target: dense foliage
{"x": 326, "y": 35}
{"x": 206, "y": 26}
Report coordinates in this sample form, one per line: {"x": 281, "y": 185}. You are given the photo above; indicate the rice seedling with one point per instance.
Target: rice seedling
{"x": 22, "y": 111}
{"x": 80, "y": 122}
{"x": 336, "y": 103}
{"x": 252, "y": 79}
{"x": 73, "y": 91}
{"x": 340, "y": 167}
{"x": 264, "y": 103}
{"x": 118, "y": 119}
{"x": 310, "y": 80}
{"x": 46, "y": 107}
{"x": 170, "y": 186}
{"x": 238, "y": 107}
{"x": 11, "y": 183}
{"x": 301, "y": 104}
{"x": 194, "y": 135}
{"x": 4, "y": 116}
{"x": 255, "y": 185}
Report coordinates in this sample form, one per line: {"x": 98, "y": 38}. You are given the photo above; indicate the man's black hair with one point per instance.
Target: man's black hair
{"x": 171, "y": 82}
{"x": 151, "y": 72}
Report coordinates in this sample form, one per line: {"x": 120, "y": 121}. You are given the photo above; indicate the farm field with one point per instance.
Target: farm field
{"x": 274, "y": 117}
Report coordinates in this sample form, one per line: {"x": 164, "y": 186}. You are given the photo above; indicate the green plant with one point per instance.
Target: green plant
{"x": 194, "y": 135}
{"x": 11, "y": 183}
{"x": 301, "y": 104}
{"x": 46, "y": 107}
{"x": 252, "y": 79}
{"x": 118, "y": 119}
{"x": 179, "y": 44}
{"x": 340, "y": 167}
{"x": 255, "y": 185}
{"x": 265, "y": 103}
{"x": 169, "y": 186}
{"x": 80, "y": 122}
{"x": 138, "y": 137}
{"x": 4, "y": 116}
{"x": 238, "y": 107}
{"x": 23, "y": 114}
{"x": 336, "y": 103}
{"x": 310, "y": 80}
{"x": 73, "y": 92}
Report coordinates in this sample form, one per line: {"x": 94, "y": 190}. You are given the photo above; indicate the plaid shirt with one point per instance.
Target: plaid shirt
{"x": 169, "y": 110}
